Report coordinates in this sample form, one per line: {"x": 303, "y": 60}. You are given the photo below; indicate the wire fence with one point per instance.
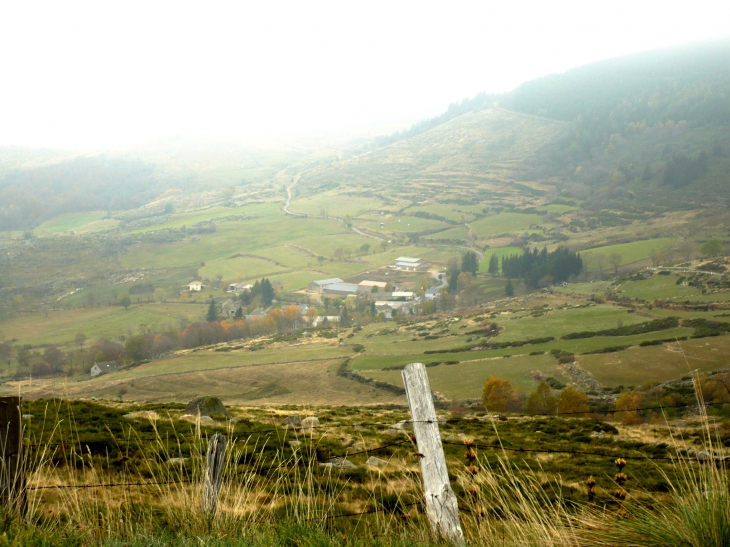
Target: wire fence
{"x": 494, "y": 446}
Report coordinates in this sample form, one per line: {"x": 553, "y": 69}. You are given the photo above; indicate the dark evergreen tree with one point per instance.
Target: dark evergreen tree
{"x": 212, "y": 312}
{"x": 493, "y": 264}
{"x": 470, "y": 263}
{"x": 239, "y": 313}
{"x": 509, "y": 290}
{"x": 267, "y": 293}
{"x": 543, "y": 267}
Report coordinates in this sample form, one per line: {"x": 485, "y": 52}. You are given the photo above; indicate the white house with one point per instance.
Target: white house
{"x": 407, "y": 263}
{"x": 239, "y": 287}
{"x": 103, "y": 368}
{"x": 195, "y": 286}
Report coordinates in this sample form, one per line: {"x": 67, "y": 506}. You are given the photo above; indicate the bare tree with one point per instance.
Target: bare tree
{"x": 615, "y": 260}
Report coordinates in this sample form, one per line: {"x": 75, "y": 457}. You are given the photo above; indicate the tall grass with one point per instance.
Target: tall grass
{"x": 285, "y": 498}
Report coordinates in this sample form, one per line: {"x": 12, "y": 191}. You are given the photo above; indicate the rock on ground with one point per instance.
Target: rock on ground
{"x": 206, "y": 406}
{"x": 310, "y": 422}
{"x": 377, "y": 462}
{"x": 341, "y": 464}
{"x": 293, "y": 421}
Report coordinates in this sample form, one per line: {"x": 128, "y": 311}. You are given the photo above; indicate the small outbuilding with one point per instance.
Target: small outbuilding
{"x": 103, "y": 367}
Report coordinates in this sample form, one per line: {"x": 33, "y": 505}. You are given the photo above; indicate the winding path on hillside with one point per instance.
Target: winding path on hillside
{"x": 353, "y": 228}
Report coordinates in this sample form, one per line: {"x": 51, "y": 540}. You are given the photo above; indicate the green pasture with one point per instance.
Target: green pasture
{"x": 638, "y": 366}
{"x": 465, "y": 380}
{"x": 630, "y": 252}
{"x": 60, "y": 326}
{"x": 403, "y": 224}
{"x": 240, "y": 268}
{"x": 456, "y": 213}
{"x": 336, "y": 204}
{"x": 230, "y": 238}
{"x": 75, "y": 221}
{"x": 374, "y": 361}
{"x": 558, "y": 322}
{"x": 657, "y": 286}
{"x": 584, "y": 289}
{"x": 210, "y": 360}
{"x": 500, "y": 252}
{"x": 505, "y": 223}
{"x": 188, "y": 218}
{"x": 452, "y": 233}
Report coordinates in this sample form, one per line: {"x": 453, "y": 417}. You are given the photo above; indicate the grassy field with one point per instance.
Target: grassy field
{"x": 637, "y": 366}
{"x": 505, "y": 223}
{"x": 635, "y": 251}
{"x": 69, "y": 221}
{"x": 658, "y": 286}
{"x": 61, "y": 326}
{"x": 465, "y": 380}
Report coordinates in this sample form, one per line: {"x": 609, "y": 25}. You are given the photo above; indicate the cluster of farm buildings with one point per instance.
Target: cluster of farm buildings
{"x": 388, "y": 300}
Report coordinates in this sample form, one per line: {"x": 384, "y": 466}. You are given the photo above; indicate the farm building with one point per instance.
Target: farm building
{"x": 103, "y": 368}
{"x": 330, "y": 319}
{"x": 432, "y": 293}
{"x": 229, "y": 307}
{"x": 407, "y": 263}
{"x": 366, "y": 287}
{"x": 317, "y": 286}
{"x": 239, "y": 287}
{"x": 195, "y": 286}
{"x": 401, "y": 295}
{"x": 340, "y": 289}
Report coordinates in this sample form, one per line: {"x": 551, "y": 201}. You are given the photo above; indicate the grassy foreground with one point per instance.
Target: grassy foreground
{"x": 102, "y": 475}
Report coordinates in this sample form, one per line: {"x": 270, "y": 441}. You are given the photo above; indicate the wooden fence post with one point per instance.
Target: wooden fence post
{"x": 12, "y": 465}
{"x": 441, "y": 505}
{"x": 213, "y": 473}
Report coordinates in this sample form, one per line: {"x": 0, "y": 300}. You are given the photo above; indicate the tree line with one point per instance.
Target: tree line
{"x": 541, "y": 268}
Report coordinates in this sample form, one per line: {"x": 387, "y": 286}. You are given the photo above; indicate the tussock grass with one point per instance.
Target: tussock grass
{"x": 272, "y": 496}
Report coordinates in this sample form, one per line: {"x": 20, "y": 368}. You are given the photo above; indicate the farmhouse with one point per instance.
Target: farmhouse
{"x": 103, "y": 368}
{"x": 330, "y": 319}
{"x": 229, "y": 307}
{"x": 340, "y": 289}
{"x": 195, "y": 286}
{"x": 432, "y": 293}
{"x": 407, "y": 263}
{"x": 366, "y": 287}
{"x": 239, "y": 287}
{"x": 317, "y": 286}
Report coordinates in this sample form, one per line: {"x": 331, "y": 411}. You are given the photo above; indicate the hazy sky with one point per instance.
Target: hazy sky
{"x": 106, "y": 72}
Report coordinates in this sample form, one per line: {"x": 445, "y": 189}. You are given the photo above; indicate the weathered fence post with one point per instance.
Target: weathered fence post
{"x": 12, "y": 467}
{"x": 441, "y": 506}
{"x": 213, "y": 473}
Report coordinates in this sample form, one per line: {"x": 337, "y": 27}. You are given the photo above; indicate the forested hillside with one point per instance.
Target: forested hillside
{"x": 642, "y": 126}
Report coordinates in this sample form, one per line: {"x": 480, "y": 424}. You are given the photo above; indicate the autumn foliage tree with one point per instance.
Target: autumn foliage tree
{"x": 572, "y": 401}
{"x": 626, "y": 403}
{"x": 499, "y": 395}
